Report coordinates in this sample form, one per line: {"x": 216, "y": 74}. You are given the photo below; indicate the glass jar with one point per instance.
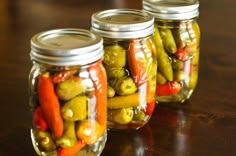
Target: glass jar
{"x": 177, "y": 39}
{"x": 67, "y": 86}
{"x": 130, "y": 63}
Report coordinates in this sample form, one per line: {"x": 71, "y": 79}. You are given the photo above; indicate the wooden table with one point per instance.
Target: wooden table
{"x": 203, "y": 126}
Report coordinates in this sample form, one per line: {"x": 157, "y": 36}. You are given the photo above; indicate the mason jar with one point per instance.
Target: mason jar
{"x": 177, "y": 39}
{"x": 68, "y": 88}
{"x": 130, "y": 63}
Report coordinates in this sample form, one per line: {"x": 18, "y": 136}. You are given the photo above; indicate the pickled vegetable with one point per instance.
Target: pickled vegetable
{"x": 70, "y": 88}
{"x": 114, "y": 56}
{"x": 89, "y": 131}
{"x": 177, "y": 52}
{"x": 124, "y": 86}
{"x": 164, "y": 64}
{"x": 44, "y": 140}
{"x": 179, "y": 75}
{"x": 160, "y": 79}
{"x": 75, "y": 109}
{"x": 168, "y": 88}
{"x": 168, "y": 40}
{"x": 123, "y": 101}
{"x": 110, "y": 91}
{"x": 50, "y": 104}
{"x": 62, "y": 75}
{"x": 139, "y": 116}
{"x": 71, "y": 112}
{"x": 113, "y": 72}
{"x": 71, "y": 150}
{"x": 131, "y": 82}
{"x": 39, "y": 119}
{"x": 120, "y": 116}
{"x": 68, "y": 139}
{"x": 137, "y": 63}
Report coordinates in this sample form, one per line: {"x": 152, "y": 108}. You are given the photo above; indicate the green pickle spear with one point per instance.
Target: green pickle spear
{"x": 168, "y": 40}
{"x": 164, "y": 64}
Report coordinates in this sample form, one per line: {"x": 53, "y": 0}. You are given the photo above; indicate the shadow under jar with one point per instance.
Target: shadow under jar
{"x": 130, "y": 63}
{"x": 67, "y": 87}
{"x": 177, "y": 39}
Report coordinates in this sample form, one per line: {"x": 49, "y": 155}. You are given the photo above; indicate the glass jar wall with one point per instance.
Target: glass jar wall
{"x": 130, "y": 63}
{"x": 177, "y": 39}
{"x": 67, "y": 86}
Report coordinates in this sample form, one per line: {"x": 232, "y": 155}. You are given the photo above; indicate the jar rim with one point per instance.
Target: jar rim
{"x": 68, "y": 46}
{"x": 172, "y": 9}
{"x": 122, "y": 23}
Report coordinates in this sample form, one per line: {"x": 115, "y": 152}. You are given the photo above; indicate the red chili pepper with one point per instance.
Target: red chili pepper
{"x": 150, "y": 107}
{"x": 181, "y": 54}
{"x": 137, "y": 63}
{"x": 168, "y": 88}
{"x": 99, "y": 78}
{"x": 50, "y": 105}
{"x": 39, "y": 120}
{"x": 70, "y": 151}
{"x": 61, "y": 76}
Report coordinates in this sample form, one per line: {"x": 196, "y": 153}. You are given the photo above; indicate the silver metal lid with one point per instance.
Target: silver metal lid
{"x": 66, "y": 47}
{"x": 122, "y": 23}
{"x": 172, "y": 9}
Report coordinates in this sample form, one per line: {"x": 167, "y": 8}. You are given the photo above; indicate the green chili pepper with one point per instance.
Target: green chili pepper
{"x": 70, "y": 88}
{"x": 68, "y": 138}
{"x": 164, "y": 64}
{"x": 168, "y": 40}
{"x": 75, "y": 109}
{"x": 160, "y": 79}
{"x": 124, "y": 86}
{"x": 114, "y": 56}
{"x": 121, "y": 116}
{"x": 44, "y": 140}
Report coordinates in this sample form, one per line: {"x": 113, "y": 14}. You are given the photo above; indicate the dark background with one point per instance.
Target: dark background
{"x": 203, "y": 126}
